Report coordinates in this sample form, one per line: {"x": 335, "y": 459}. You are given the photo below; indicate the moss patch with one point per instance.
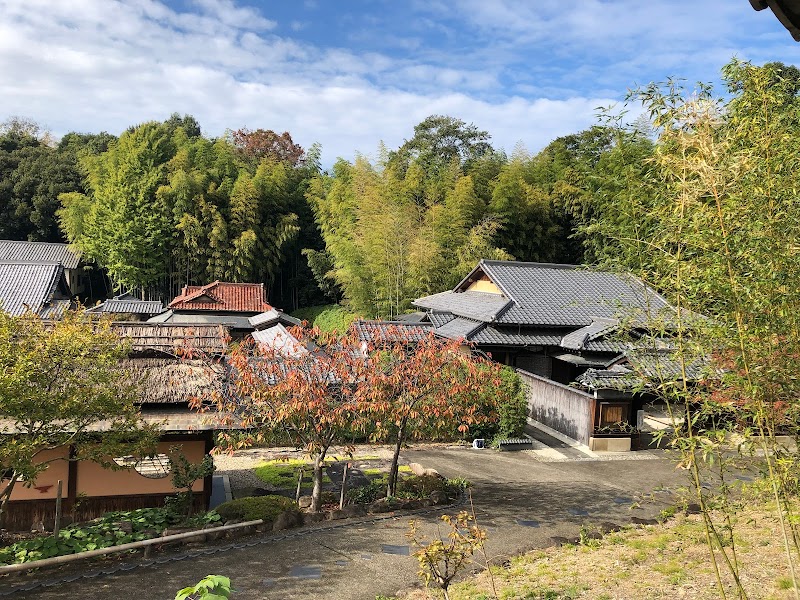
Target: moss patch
{"x": 283, "y": 473}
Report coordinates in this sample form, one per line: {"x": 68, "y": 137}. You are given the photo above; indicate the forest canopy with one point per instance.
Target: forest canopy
{"x": 162, "y": 206}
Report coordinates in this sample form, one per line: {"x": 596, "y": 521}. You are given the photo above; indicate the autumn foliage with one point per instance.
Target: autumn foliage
{"x": 323, "y": 390}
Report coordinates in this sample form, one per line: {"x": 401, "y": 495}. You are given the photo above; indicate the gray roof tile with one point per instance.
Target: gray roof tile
{"x": 30, "y": 285}
{"x": 480, "y": 306}
{"x": 371, "y": 331}
{"x": 577, "y": 339}
{"x": 440, "y": 318}
{"x": 44, "y": 252}
{"x": 458, "y": 328}
{"x": 545, "y": 294}
{"x": 514, "y": 336}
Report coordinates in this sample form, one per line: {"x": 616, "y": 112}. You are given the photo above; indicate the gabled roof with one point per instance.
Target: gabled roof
{"x": 541, "y": 294}
{"x": 577, "y": 340}
{"x": 221, "y": 296}
{"x": 271, "y": 317}
{"x": 38, "y": 287}
{"x": 128, "y": 304}
{"x": 42, "y": 252}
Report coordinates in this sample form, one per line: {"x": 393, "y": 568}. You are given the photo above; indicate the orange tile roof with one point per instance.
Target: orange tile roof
{"x": 222, "y": 296}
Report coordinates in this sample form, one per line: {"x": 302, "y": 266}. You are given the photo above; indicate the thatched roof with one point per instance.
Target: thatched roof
{"x": 170, "y": 381}
{"x": 172, "y": 339}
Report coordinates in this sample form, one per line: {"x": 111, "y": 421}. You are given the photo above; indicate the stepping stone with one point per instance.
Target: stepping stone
{"x": 578, "y": 512}
{"x": 366, "y": 556}
{"x": 306, "y": 572}
{"x": 527, "y": 523}
{"x": 391, "y": 549}
{"x": 268, "y": 582}
{"x": 342, "y": 563}
{"x": 622, "y": 500}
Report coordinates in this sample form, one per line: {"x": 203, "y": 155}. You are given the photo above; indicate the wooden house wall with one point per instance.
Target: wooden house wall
{"x": 89, "y": 490}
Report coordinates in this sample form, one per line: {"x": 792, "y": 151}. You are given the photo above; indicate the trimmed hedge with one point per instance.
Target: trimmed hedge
{"x": 257, "y": 507}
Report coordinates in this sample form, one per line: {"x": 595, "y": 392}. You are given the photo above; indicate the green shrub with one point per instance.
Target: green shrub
{"x": 103, "y": 532}
{"x": 513, "y": 412}
{"x": 256, "y": 507}
{"x": 421, "y": 486}
{"x": 329, "y": 317}
{"x": 366, "y": 494}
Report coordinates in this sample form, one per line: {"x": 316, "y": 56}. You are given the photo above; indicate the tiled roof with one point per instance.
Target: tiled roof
{"x": 440, "y": 318}
{"x": 128, "y": 304}
{"x": 43, "y": 252}
{"x": 604, "y": 379}
{"x": 270, "y": 317}
{"x": 198, "y": 318}
{"x": 459, "y": 328}
{"x": 514, "y": 336}
{"x": 31, "y": 286}
{"x": 576, "y": 340}
{"x": 545, "y": 294}
{"x": 223, "y": 296}
{"x": 481, "y": 306}
{"x": 371, "y": 331}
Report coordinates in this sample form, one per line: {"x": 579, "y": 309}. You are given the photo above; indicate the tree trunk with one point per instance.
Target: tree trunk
{"x": 5, "y": 496}
{"x": 316, "y": 494}
{"x": 401, "y": 433}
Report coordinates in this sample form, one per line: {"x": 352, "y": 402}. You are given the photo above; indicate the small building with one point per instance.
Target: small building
{"x": 219, "y": 303}
{"x": 165, "y": 361}
{"x": 127, "y": 307}
{"x": 554, "y": 324}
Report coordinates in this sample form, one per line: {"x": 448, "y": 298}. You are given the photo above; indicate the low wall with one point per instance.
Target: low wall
{"x": 24, "y": 514}
{"x": 560, "y": 407}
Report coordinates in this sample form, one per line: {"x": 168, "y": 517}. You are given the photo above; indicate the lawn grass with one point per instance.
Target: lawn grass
{"x": 664, "y": 561}
{"x": 283, "y": 473}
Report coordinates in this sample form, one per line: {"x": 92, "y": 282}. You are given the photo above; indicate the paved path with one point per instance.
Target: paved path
{"x": 522, "y": 502}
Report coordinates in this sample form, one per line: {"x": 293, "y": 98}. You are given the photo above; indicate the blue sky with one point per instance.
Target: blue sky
{"x": 351, "y": 73}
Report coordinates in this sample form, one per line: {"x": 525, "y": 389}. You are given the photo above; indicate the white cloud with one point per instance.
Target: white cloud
{"x": 106, "y": 64}
{"x": 100, "y": 65}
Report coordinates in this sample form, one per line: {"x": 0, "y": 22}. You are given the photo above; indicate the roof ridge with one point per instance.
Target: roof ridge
{"x": 521, "y": 263}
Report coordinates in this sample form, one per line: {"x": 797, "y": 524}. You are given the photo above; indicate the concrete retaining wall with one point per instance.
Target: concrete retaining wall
{"x": 558, "y": 406}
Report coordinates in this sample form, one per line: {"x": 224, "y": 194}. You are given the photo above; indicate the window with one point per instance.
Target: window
{"x": 152, "y": 467}
{"x": 612, "y": 415}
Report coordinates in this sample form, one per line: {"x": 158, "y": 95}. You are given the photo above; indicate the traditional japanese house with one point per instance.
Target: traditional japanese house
{"x": 165, "y": 361}
{"x": 218, "y": 303}
{"x": 126, "y": 307}
{"x": 554, "y": 323}
{"x": 39, "y": 288}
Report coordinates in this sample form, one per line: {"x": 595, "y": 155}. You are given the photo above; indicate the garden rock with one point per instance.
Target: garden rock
{"x": 287, "y": 520}
{"x": 411, "y": 504}
{"x": 640, "y": 521}
{"x": 337, "y": 514}
{"x": 355, "y": 510}
{"x": 421, "y": 471}
{"x": 439, "y": 497}
{"x": 304, "y": 501}
{"x": 380, "y": 506}
{"x": 311, "y": 518}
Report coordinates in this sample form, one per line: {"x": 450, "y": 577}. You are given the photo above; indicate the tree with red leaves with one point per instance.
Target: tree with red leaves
{"x": 307, "y": 385}
{"x": 265, "y": 143}
{"x": 427, "y": 386}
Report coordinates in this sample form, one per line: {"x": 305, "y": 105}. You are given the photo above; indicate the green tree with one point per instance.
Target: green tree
{"x": 57, "y": 382}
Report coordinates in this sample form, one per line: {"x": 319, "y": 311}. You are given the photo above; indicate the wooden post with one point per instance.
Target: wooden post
{"x": 57, "y": 522}
{"x": 344, "y": 486}
{"x": 299, "y": 484}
